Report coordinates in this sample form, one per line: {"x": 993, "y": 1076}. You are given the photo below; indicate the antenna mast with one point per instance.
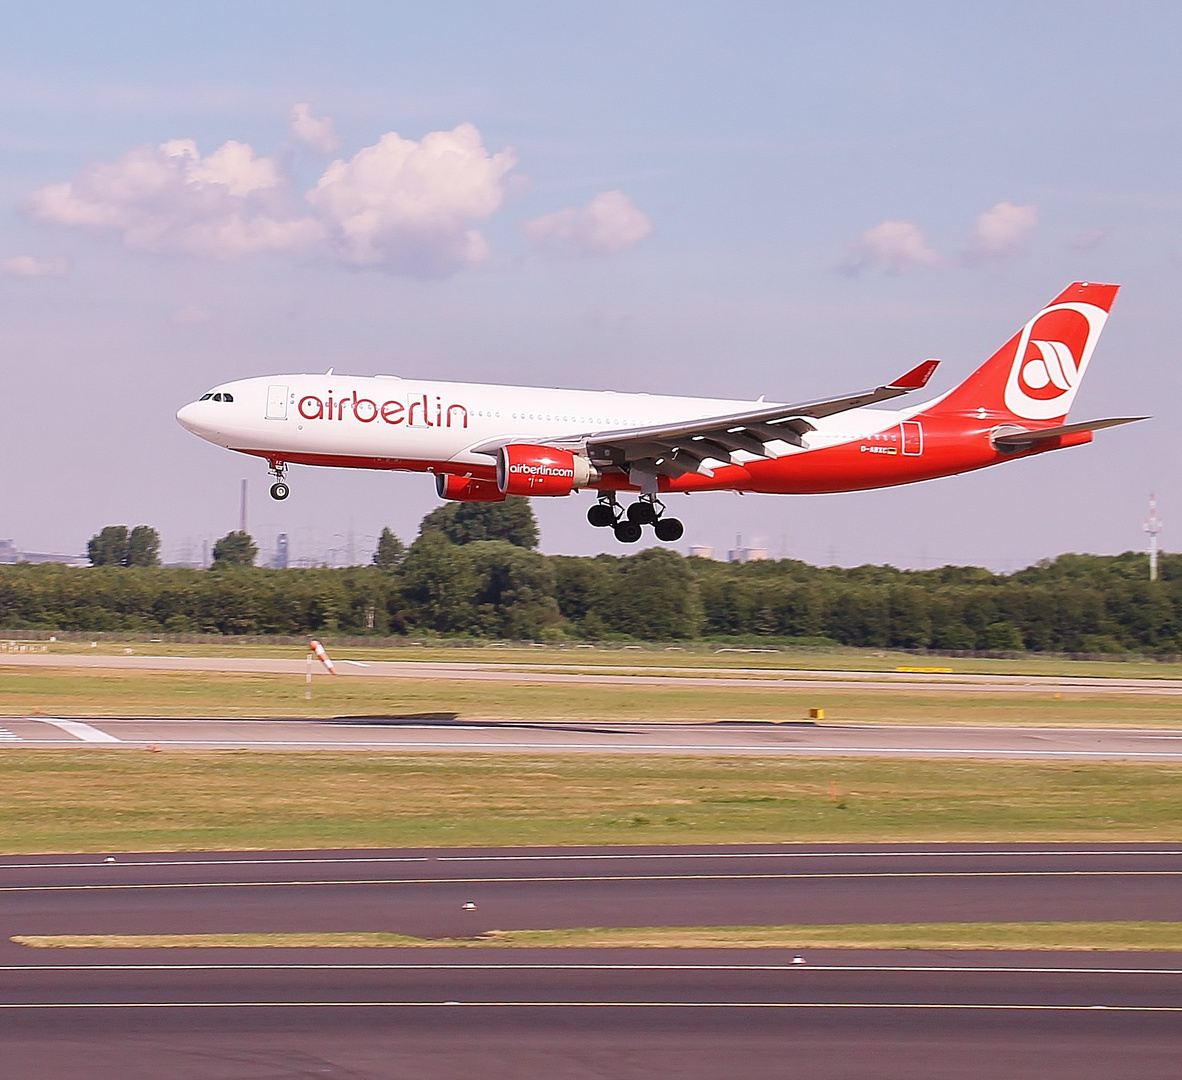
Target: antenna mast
{"x": 1153, "y": 526}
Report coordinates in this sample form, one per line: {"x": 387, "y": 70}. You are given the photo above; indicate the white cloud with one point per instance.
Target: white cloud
{"x": 402, "y": 205}
{"x": 410, "y": 206}
{"x": 893, "y": 246}
{"x": 191, "y": 315}
{"x": 1089, "y": 239}
{"x": 29, "y": 266}
{"x": 169, "y": 198}
{"x": 609, "y": 223}
{"x": 1001, "y": 230}
{"x": 314, "y": 132}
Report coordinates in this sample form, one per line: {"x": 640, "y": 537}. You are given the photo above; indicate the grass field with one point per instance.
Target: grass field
{"x": 99, "y": 800}
{"x": 1060, "y": 936}
{"x": 96, "y": 693}
{"x": 696, "y": 654}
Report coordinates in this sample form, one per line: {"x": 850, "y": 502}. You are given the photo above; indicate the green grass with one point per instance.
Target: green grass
{"x": 1059, "y": 936}
{"x": 118, "y": 800}
{"x": 87, "y": 693}
{"x": 690, "y": 654}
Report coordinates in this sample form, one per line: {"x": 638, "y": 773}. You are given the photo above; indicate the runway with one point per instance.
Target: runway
{"x": 724, "y": 737}
{"x": 618, "y": 675}
{"x": 621, "y": 1013}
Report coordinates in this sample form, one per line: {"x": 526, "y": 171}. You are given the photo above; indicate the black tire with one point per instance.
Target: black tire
{"x": 628, "y": 532}
{"x": 602, "y": 515}
{"x": 669, "y": 529}
{"x": 642, "y": 513}
{"x": 280, "y": 491}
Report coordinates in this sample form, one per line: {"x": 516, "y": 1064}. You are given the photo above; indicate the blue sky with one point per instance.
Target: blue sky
{"x": 755, "y": 148}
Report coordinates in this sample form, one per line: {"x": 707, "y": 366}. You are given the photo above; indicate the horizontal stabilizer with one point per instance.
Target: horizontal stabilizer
{"x": 1011, "y": 439}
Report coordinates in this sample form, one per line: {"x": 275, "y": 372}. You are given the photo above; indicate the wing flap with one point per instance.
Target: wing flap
{"x": 680, "y": 447}
{"x": 665, "y": 448}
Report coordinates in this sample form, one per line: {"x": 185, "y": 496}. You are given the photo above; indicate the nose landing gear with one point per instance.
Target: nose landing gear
{"x": 279, "y": 489}
{"x": 628, "y": 525}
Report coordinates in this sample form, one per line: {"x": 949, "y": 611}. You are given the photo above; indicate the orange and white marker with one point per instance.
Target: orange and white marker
{"x": 314, "y": 646}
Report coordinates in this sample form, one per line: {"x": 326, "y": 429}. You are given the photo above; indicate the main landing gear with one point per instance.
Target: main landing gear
{"x": 628, "y": 526}
{"x": 279, "y": 489}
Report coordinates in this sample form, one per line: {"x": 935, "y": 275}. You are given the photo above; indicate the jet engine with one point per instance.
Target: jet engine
{"x": 467, "y": 489}
{"x": 542, "y": 470}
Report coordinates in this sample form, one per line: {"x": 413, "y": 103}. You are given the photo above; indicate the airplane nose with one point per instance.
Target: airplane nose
{"x": 187, "y": 417}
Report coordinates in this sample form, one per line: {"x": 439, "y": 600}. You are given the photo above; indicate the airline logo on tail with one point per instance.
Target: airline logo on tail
{"x": 1049, "y": 363}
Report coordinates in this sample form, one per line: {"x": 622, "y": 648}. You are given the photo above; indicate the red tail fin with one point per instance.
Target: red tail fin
{"x": 1034, "y": 375}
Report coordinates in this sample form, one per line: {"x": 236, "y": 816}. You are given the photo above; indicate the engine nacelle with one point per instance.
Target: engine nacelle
{"x": 542, "y": 470}
{"x": 467, "y": 489}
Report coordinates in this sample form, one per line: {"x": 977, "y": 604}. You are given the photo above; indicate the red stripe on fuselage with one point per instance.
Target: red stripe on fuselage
{"x": 951, "y": 445}
{"x": 347, "y": 461}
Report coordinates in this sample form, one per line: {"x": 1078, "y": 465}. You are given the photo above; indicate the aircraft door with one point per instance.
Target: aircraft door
{"x": 276, "y": 402}
{"x": 912, "y": 437}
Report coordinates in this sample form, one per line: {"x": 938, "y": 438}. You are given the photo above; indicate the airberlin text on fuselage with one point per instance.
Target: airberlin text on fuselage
{"x": 418, "y": 412}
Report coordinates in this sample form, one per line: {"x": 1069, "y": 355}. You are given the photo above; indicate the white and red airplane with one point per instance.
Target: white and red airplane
{"x": 484, "y": 442}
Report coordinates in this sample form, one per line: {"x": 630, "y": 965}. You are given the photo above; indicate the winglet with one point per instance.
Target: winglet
{"x": 917, "y": 377}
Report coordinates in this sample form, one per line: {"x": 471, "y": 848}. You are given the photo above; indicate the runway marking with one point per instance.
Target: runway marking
{"x": 78, "y": 729}
{"x": 810, "y": 1005}
{"x": 881, "y": 968}
{"x": 768, "y": 749}
{"x": 8, "y": 736}
{"x": 988, "y": 853}
{"x": 595, "y": 856}
{"x": 558, "y": 878}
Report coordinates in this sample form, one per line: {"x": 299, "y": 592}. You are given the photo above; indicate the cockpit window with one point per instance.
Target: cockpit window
{"x": 217, "y": 397}
{"x": 227, "y": 397}
{"x": 205, "y": 397}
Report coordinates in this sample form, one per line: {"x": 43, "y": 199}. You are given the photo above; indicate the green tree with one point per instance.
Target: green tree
{"x": 465, "y": 523}
{"x": 143, "y": 547}
{"x": 654, "y": 596}
{"x": 109, "y": 547}
{"x": 235, "y": 549}
{"x": 439, "y": 584}
{"x": 515, "y": 590}
{"x": 390, "y": 551}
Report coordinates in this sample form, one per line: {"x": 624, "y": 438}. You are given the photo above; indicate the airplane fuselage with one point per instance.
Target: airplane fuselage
{"x": 485, "y": 442}
{"x": 384, "y": 422}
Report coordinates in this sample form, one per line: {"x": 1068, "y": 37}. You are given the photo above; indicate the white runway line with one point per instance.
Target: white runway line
{"x": 718, "y": 749}
{"x": 8, "y": 736}
{"x": 77, "y": 728}
{"x": 802, "y": 969}
{"x": 845, "y": 1006}
{"x": 140, "y": 886}
{"x": 979, "y": 853}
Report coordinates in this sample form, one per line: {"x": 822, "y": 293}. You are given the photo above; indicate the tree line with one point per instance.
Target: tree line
{"x": 473, "y": 572}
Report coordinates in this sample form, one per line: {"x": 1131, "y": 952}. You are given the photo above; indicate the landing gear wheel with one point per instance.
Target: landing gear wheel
{"x": 628, "y": 532}
{"x": 280, "y": 491}
{"x": 642, "y": 513}
{"x": 669, "y": 529}
{"x": 602, "y": 515}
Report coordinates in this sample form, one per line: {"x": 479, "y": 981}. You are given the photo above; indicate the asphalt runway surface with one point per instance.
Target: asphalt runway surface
{"x": 617, "y": 675}
{"x": 439, "y": 1012}
{"x": 720, "y": 738}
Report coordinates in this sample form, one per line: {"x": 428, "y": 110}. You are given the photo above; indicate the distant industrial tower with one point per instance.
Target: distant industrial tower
{"x": 242, "y": 510}
{"x": 1153, "y": 525}
{"x": 279, "y": 562}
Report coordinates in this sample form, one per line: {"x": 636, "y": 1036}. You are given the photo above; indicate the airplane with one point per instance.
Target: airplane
{"x": 486, "y": 442}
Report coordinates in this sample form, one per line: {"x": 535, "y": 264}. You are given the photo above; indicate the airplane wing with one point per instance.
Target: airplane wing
{"x": 679, "y": 448}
